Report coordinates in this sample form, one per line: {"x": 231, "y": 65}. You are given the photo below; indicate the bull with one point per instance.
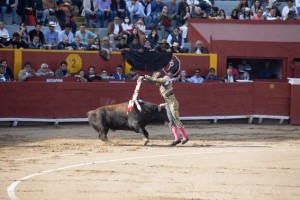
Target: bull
{"x": 115, "y": 117}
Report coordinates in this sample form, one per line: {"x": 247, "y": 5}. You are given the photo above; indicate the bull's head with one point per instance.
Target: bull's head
{"x": 162, "y": 113}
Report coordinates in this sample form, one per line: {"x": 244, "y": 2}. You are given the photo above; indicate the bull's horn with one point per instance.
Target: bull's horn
{"x": 161, "y": 105}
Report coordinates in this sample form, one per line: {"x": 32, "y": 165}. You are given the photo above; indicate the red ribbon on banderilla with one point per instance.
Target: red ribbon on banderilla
{"x": 134, "y": 98}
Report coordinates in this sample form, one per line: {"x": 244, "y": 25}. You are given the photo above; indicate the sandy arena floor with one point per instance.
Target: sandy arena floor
{"x": 221, "y": 161}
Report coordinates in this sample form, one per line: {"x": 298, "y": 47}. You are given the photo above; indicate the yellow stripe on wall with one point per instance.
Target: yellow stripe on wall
{"x": 213, "y": 62}
{"x": 17, "y": 62}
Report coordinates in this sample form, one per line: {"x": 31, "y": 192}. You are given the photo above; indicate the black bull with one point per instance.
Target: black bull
{"x": 115, "y": 117}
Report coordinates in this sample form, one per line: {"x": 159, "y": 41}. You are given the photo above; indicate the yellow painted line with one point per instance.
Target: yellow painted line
{"x": 17, "y": 62}
{"x": 213, "y": 62}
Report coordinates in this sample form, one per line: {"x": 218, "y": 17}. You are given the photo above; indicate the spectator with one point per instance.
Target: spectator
{"x": 44, "y": 71}
{"x": 163, "y": 46}
{"x": 50, "y": 7}
{"x": 206, "y": 6}
{"x": 235, "y": 72}
{"x": 40, "y": 12}
{"x": 17, "y": 43}
{"x": 256, "y": 6}
{"x": 197, "y": 77}
{"x": 176, "y": 36}
{"x": 79, "y": 4}
{"x": 118, "y": 8}
{"x": 119, "y": 74}
{"x": 241, "y": 6}
{"x": 24, "y": 8}
{"x": 214, "y": 14}
{"x": 153, "y": 38}
{"x": 267, "y": 11}
{"x": 66, "y": 33}
{"x": 211, "y": 75}
{"x": 222, "y": 14}
{"x": 4, "y": 77}
{"x": 3, "y": 31}
{"x": 132, "y": 75}
{"x": 183, "y": 76}
{"x": 80, "y": 76}
{"x": 91, "y": 75}
{"x": 192, "y": 5}
{"x": 135, "y": 45}
{"x": 63, "y": 71}
{"x": 199, "y": 14}
{"x": 7, "y": 69}
{"x": 172, "y": 10}
{"x": 298, "y": 7}
{"x": 8, "y": 6}
{"x": 90, "y": 9}
{"x": 185, "y": 16}
{"x": 286, "y": 9}
{"x": 4, "y": 43}
{"x": 148, "y": 46}
{"x": 258, "y": 15}
{"x": 23, "y": 33}
{"x": 133, "y": 36}
{"x": 84, "y": 35}
{"x": 77, "y": 44}
{"x": 156, "y": 7}
{"x": 229, "y": 77}
{"x": 122, "y": 45}
{"x": 37, "y": 31}
{"x": 107, "y": 45}
{"x": 165, "y": 22}
{"x": 181, "y": 8}
{"x": 115, "y": 30}
{"x": 242, "y": 67}
{"x": 246, "y": 76}
{"x": 35, "y": 43}
{"x": 65, "y": 17}
{"x": 127, "y": 27}
{"x": 273, "y": 15}
{"x": 266, "y": 72}
{"x": 234, "y": 14}
{"x": 291, "y": 15}
{"x": 247, "y": 14}
{"x": 27, "y": 72}
{"x": 104, "y": 75}
{"x": 199, "y": 48}
{"x": 105, "y": 11}
{"x": 96, "y": 45}
{"x": 65, "y": 44}
{"x": 51, "y": 36}
{"x": 141, "y": 28}
{"x": 145, "y": 6}
{"x": 176, "y": 48}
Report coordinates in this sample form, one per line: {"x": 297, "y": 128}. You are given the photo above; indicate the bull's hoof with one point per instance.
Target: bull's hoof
{"x": 146, "y": 142}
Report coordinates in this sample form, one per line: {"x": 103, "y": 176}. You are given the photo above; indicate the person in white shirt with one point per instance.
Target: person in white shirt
{"x": 286, "y": 9}
{"x": 197, "y": 77}
{"x": 3, "y": 31}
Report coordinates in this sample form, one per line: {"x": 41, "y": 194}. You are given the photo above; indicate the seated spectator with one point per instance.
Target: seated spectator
{"x": 35, "y": 43}
{"x": 3, "y": 31}
{"x": 44, "y": 71}
{"x": 141, "y": 28}
{"x": 206, "y": 6}
{"x": 37, "y": 31}
{"x": 51, "y": 36}
{"x": 25, "y": 8}
{"x": 7, "y": 69}
{"x": 50, "y": 7}
{"x": 272, "y": 15}
{"x": 118, "y": 8}
{"x": 148, "y": 46}
{"x": 77, "y": 44}
{"x": 84, "y": 35}
{"x": 163, "y": 46}
{"x": 235, "y": 72}
{"x": 222, "y": 14}
{"x": 127, "y": 27}
{"x": 8, "y": 6}
{"x": 104, "y": 75}
{"x": 4, "y": 43}
{"x": 292, "y": 15}
{"x": 246, "y": 15}
{"x": 63, "y": 71}
{"x": 134, "y": 9}
{"x": 66, "y": 33}
{"x": 132, "y": 75}
{"x": 199, "y": 14}
{"x": 105, "y": 11}
{"x": 153, "y": 38}
{"x": 156, "y": 8}
{"x": 192, "y": 5}
{"x": 107, "y": 45}
{"x": 234, "y": 14}
{"x": 135, "y": 45}
{"x": 122, "y": 46}
{"x": 26, "y": 72}
{"x": 247, "y": 77}
{"x": 65, "y": 45}
{"x": 91, "y": 75}
{"x": 241, "y": 6}
{"x": 23, "y": 33}
{"x": 176, "y": 36}
{"x": 183, "y": 76}
{"x": 211, "y": 75}
{"x": 40, "y": 13}
{"x": 80, "y": 76}
{"x": 4, "y": 77}
{"x": 242, "y": 67}
{"x": 199, "y": 48}
{"x": 286, "y": 9}
{"x": 176, "y": 48}
{"x": 119, "y": 74}
{"x": 266, "y": 12}
{"x": 183, "y": 21}
{"x": 90, "y": 9}
{"x": 64, "y": 16}
{"x": 133, "y": 36}
{"x": 228, "y": 78}
{"x": 197, "y": 78}
{"x": 165, "y": 23}
{"x": 96, "y": 45}
{"x": 214, "y": 14}
{"x": 145, "y": 5}
{"x": 115, "y": 30}
{"x": 266, "y": 72}
{"x": 17, "y": 43}
{"x": 258, "y": 15}
{"x": 256, "y": 6}
{"x": 172, "y": 10}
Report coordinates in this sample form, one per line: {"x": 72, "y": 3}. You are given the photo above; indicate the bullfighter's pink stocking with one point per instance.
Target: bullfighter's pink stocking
{"x": 183, "y": 133}
{"x": 175, "y": 133}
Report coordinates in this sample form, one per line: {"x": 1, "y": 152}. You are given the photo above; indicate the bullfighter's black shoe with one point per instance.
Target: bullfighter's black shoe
{"x": 174, "y": 143}
{"x": 185, "y": 140}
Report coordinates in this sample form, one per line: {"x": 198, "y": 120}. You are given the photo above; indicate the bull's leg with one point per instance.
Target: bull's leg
{"x": 146, "y": 136}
